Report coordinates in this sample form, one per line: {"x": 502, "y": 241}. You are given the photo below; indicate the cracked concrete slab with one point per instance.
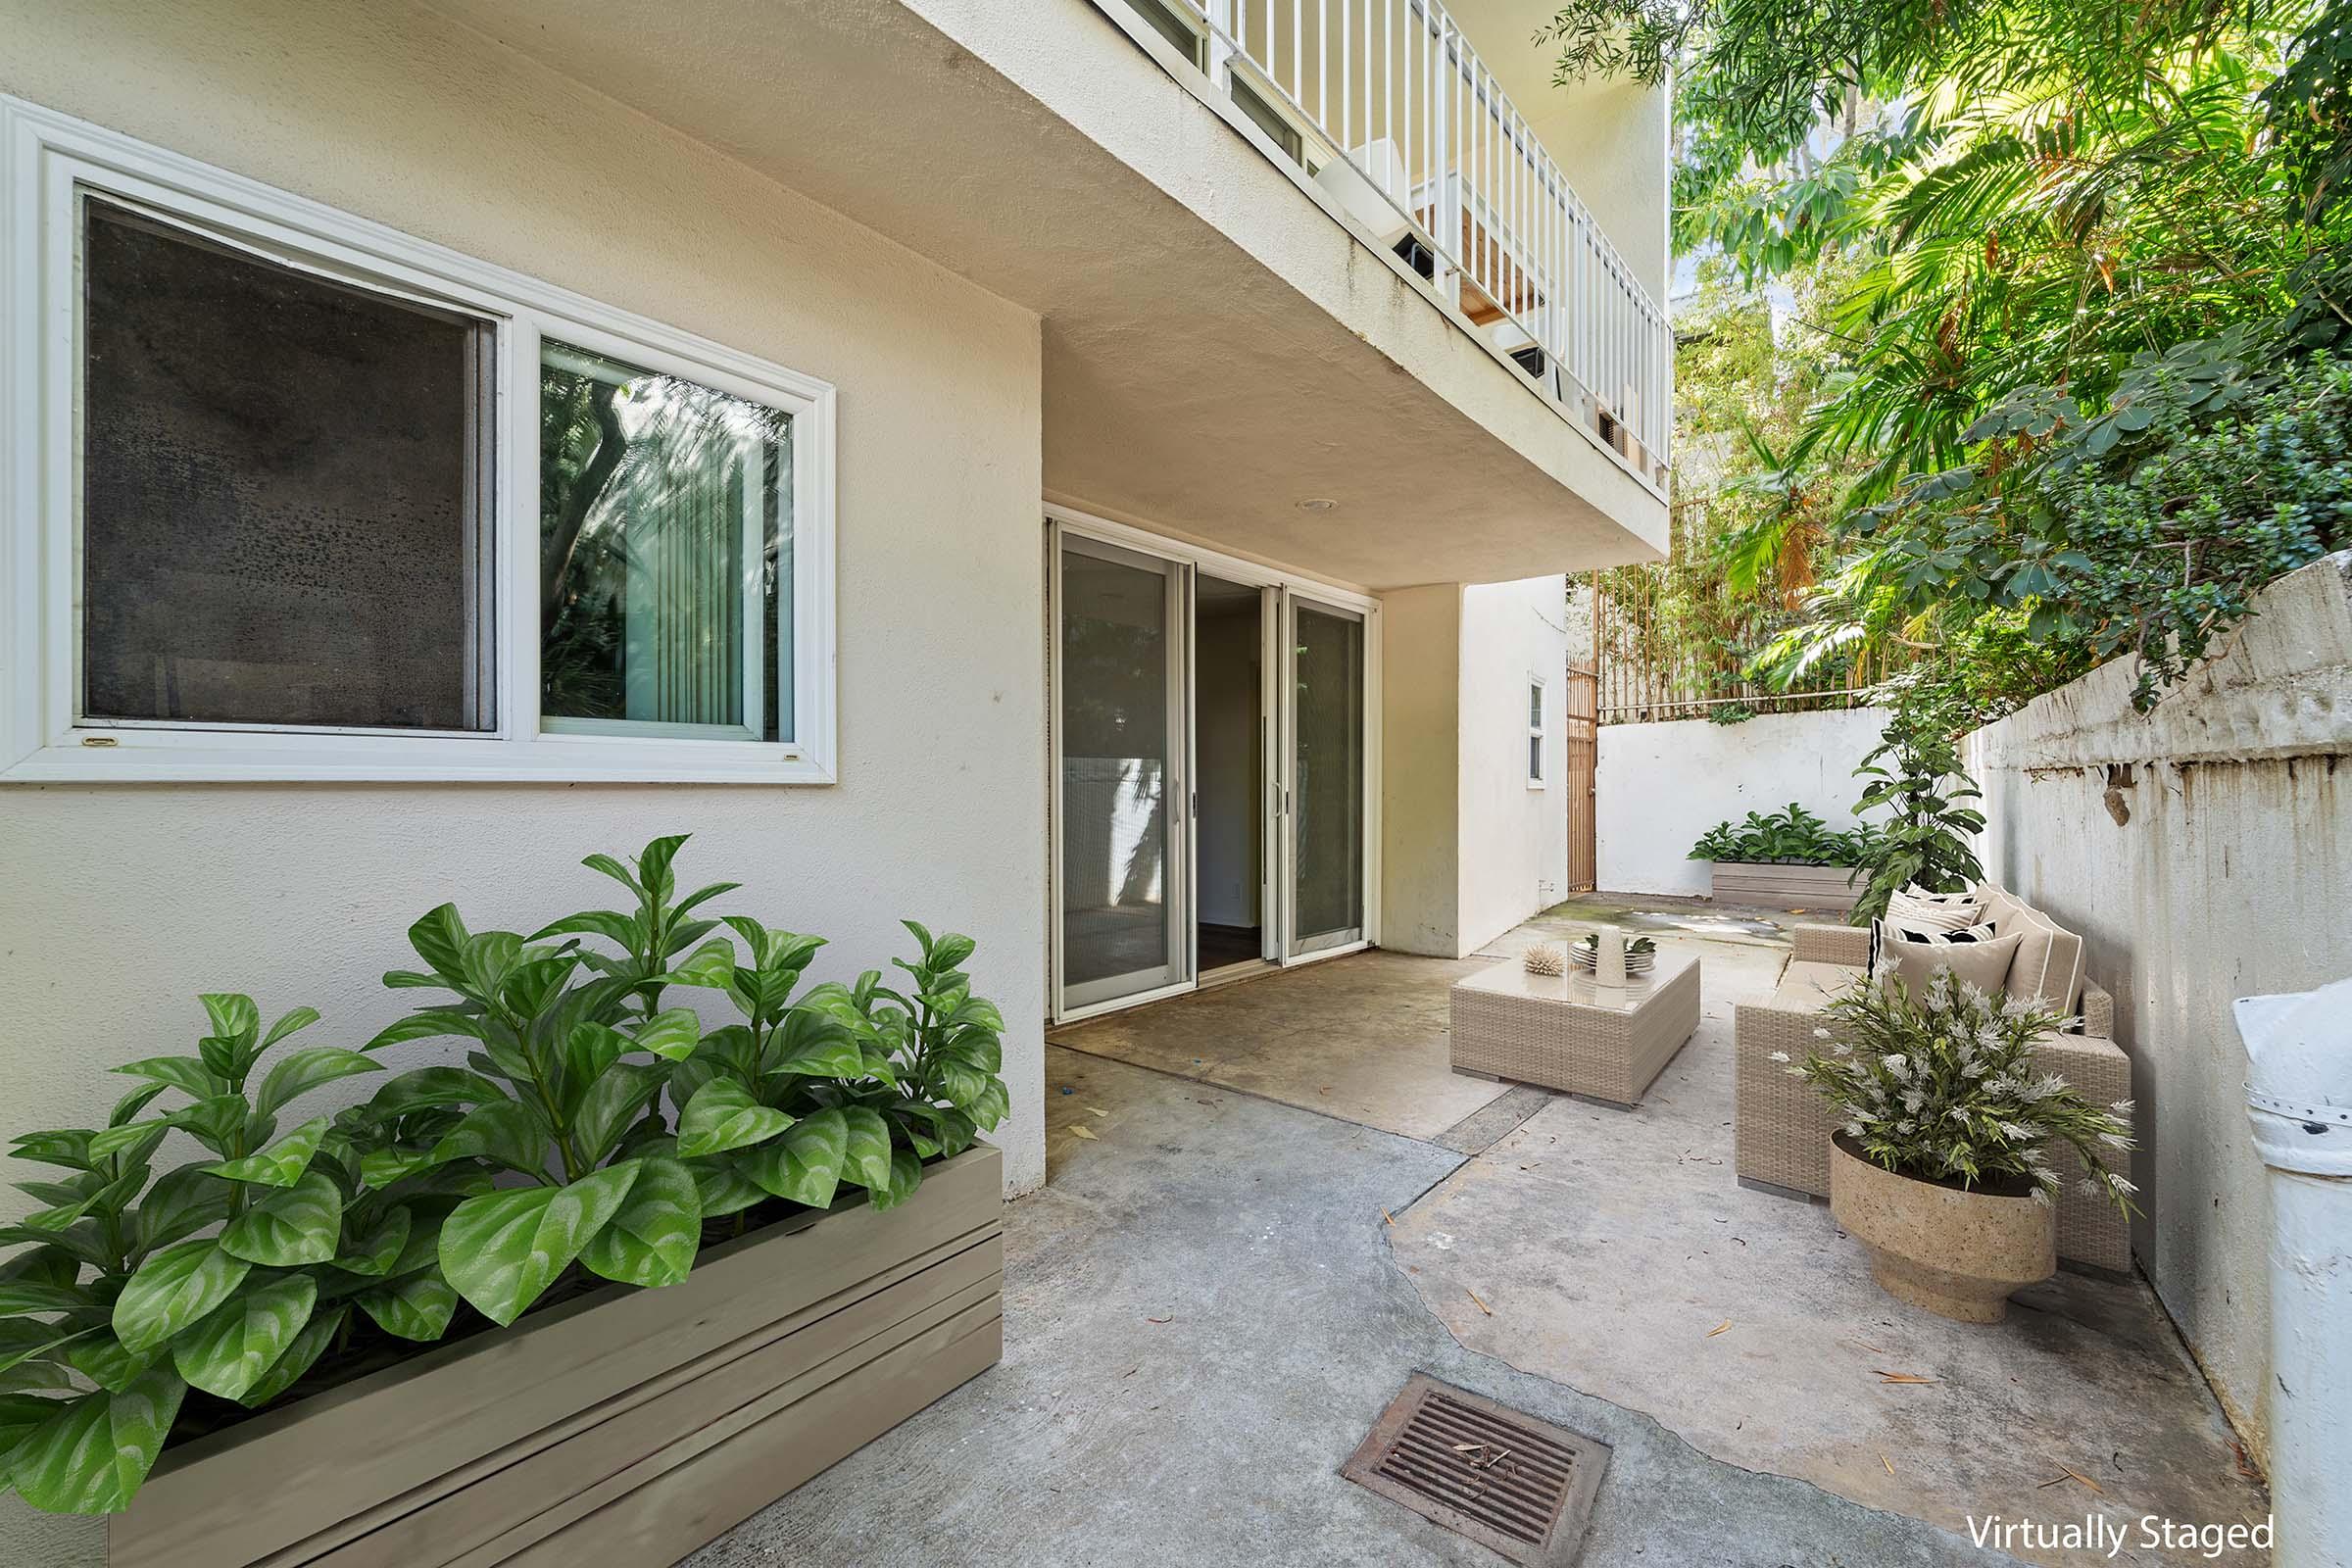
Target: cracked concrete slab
{"x": 1202, "y": 1320}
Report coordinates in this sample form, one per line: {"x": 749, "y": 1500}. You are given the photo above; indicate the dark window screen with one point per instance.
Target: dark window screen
{"x": 279, "y": 492}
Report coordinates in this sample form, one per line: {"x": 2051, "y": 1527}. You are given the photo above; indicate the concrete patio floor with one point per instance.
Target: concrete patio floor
{"x": 1206, "y": 1309}
{"x": 1361, "y": 1037}
{"x": 1202, "y": 1320}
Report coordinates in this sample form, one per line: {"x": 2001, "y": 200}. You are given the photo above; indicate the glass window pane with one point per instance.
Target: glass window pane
{"x": 1535, "y": 704}
{"x": 665, "y": 567}
{"x": 1329, "y": 760}
{"x": 1117, "y": 934}
{"x": 280, "y": 473}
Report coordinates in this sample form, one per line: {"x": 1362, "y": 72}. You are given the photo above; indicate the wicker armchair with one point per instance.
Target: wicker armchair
{"x": 1781, "y": 1134}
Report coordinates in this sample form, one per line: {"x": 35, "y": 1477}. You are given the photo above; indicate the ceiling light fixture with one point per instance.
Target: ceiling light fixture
{"x": 1317, "y": 504}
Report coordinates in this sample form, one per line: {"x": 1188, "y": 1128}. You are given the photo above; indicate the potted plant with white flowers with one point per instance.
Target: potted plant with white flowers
{"x": 1941, "y": 1165}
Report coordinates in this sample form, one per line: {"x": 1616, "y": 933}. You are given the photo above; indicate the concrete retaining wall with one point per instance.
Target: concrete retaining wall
{"x": 2204, "y": 850}
{"x": 1660, "y": 786}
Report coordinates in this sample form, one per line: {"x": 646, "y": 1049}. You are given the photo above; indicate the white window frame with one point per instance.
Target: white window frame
{"x": 44, "y": 158}
{"x": 1538, "y": 730}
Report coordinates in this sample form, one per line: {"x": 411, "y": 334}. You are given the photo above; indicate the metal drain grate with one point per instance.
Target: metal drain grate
{"x": 1515, "y": 1485}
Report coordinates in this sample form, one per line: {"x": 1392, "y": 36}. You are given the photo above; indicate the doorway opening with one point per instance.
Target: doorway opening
{"x": 1229, "y": 774}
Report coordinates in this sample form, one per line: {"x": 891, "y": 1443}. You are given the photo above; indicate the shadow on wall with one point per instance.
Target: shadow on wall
{"x": 2203, "y": 852}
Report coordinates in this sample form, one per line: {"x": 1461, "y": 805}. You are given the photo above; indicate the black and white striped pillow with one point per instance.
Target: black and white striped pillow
{"x": 1905, "y": 931}
{"x": 1916, "y": 908}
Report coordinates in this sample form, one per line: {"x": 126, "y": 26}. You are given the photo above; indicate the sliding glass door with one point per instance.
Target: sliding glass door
{"x": 1213, "y": 730}
{"x": 1323, "y": 785}
{"x": 1119, "y": 746}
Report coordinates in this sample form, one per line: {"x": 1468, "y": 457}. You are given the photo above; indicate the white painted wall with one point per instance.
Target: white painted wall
{"x": 1660, "y": 786}
{"x": 1421, "y": 776}
{"x": 122, "y": 903}
{"x": 1514, "y": 854}
{"x": 1468, "y": 850}
{"x": 2229, "y": 875}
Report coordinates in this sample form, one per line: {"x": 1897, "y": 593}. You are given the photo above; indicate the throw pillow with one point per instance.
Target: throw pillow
{"x": 1920, "y": 909}
{"x": 1982, "y": 963}
{"x": 1882, "y": 930}
{"x": 2050, "y": 962}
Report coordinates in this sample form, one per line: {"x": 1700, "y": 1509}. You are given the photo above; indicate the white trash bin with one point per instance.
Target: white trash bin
{"x": 2299, "y": 1098}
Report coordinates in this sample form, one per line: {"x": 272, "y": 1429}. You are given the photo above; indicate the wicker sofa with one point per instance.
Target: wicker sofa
{"x": 1782, "y": 1129}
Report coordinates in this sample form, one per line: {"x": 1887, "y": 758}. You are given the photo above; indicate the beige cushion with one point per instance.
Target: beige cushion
{"x": 1933, "y": 911}
{"x": 2048, "y": 964}
{"x": 1807, "y": 984}
{"x": 1982, "y": 965}
{"x": 2002, "y": 912}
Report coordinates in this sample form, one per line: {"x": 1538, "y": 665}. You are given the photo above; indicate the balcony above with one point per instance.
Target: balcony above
{"x": 1269, "y": 269}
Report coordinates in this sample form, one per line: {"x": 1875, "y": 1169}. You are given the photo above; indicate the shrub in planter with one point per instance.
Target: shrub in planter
{"x": 1794, "y": 837}
{"x": 1940, "y": 1167}
{"x": 595, "y": 1128}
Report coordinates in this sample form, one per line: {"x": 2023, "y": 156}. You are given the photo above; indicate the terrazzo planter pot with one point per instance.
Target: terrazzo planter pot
{"x": 1955, "y": 1251}
{"x": 621, "y": 1429}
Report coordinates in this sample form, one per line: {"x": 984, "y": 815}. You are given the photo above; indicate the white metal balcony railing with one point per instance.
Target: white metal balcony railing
{"x": 1387, "y": 106}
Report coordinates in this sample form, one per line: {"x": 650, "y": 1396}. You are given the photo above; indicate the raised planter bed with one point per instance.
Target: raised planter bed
{"x": 623, "y": 1428}
{"x": 1831, "y": 888}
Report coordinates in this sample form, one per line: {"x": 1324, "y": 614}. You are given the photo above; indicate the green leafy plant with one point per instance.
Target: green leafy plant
{"x": 1793, "y": 837}
{"x": 593, "y": 1129}
{"x": 2059, "y": 283}
{"x": 1943, "y": 1088}
{"x": 1916, "y": 777}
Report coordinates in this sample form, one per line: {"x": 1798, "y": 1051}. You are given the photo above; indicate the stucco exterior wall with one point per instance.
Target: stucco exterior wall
{"x": 1420, "y": 850}
{"x": 1514, "y": 840}
{"x": 123, "y": 902}
{"x": 1467, "y": 849}
{"x": 2204, "y": 850}
{"x": 1660, "y": 786}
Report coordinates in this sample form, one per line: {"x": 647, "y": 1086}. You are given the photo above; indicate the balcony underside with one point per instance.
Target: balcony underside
{"x": 1218, "y": 345}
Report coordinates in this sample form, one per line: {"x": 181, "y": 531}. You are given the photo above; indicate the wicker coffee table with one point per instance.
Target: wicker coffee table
{"x": 1571, "y": 1033}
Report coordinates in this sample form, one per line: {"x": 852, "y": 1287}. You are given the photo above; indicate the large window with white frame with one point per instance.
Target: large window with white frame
{"x": 309, "y": 498}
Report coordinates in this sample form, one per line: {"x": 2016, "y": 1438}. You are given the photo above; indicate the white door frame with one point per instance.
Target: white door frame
{"x": 1280, "y": 585}
{"x": 1291, "y": 953}
{"x": 1176, "y": 787}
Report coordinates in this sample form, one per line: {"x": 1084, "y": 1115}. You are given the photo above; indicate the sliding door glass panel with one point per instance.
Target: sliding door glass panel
{"x": 1118, "y": 724}
{"x": 1327, "y": 773}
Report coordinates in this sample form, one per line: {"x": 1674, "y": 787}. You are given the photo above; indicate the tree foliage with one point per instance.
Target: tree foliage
{"x": 2073, "y": 397}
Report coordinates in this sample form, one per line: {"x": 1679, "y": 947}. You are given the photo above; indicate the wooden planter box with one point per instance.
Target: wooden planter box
{"x": 623, "y": 1429}
{"x": 1827, "y": 887}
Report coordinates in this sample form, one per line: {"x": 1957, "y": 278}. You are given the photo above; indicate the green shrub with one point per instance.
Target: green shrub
{"x": 592, "y": 1130}
{"x": 1928, "y": 837}
{"x": 1794, "y": 837}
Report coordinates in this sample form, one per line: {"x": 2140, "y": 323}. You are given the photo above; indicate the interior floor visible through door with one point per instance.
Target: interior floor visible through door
{"x": 1223, "y": 944}
{"x": 1230, "y": 766}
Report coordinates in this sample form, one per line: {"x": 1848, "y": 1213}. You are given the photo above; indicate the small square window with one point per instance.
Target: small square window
{"x": 281, "y": 493}
{"x": 665, "y": 567}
